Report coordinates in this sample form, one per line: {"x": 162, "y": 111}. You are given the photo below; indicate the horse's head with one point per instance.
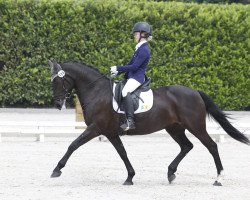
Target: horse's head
{"x": 62, "y": 84}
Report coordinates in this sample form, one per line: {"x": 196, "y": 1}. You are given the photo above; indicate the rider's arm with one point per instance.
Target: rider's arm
{"x": 142, "y": 56}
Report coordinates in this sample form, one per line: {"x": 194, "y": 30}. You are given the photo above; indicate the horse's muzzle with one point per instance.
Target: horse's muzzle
{"x": 59, "y": 103}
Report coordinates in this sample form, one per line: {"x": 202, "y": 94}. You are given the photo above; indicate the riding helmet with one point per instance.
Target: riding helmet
{"x": 142, "y": 27}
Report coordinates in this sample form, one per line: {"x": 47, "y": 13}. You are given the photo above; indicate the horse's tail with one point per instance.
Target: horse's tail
{"x": 221, "y": 117}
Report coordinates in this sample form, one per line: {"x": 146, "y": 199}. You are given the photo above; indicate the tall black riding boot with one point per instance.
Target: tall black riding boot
{"x": 129, "y": 112}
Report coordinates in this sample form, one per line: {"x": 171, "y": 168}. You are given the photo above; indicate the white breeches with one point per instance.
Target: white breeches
{"x": 130, "y": 86}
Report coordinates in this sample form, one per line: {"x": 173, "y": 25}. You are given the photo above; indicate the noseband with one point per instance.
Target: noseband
{"x": 62, "y": 74}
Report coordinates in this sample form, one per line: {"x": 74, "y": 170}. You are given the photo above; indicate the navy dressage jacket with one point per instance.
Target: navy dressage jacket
{"x": 136, "y": 68}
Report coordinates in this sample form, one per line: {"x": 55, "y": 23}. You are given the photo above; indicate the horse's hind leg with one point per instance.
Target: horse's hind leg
{"x": 178, "y": 134}
{"x": 87, "y": 135}
{"x": 207, "y": 141}
{"x": 117, "y": 143}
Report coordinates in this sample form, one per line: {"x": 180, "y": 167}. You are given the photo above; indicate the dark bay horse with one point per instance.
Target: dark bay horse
{"x": 175, "y": 109}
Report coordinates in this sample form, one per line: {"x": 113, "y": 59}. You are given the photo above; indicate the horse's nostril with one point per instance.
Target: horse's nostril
{"x": 58, "y": 104}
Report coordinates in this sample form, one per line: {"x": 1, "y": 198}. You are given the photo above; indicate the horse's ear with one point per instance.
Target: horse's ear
{"x": 50, "y": 64}
{"x": 54, "y": 66}
{"x": 59, "y": 67}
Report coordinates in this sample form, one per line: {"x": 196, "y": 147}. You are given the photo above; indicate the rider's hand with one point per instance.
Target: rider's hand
{"x": 113, "y": 75}
{"x": 113, "y": 71}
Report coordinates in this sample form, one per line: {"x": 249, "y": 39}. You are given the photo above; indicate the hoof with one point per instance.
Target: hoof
{"x": 55, "y": 174}
{"x": 216, "y": 183}
{"x": 171, "y": 178}
{"x": 128, "y": 183}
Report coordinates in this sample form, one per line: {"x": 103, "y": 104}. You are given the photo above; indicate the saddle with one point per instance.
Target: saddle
{"x": 135, "y": 95}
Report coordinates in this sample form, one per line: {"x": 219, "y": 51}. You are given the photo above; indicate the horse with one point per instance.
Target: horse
{"x": 175, "y": 108}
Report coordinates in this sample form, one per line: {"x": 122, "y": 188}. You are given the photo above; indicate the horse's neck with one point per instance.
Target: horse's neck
{"x": 92, "y": 97}
{"x": 89, "y": 90}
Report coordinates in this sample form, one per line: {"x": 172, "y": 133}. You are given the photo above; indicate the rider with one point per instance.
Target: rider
{"x": 134, "y": 70}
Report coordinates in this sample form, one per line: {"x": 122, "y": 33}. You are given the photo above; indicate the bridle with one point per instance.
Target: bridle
{"x": 67, "y": 94}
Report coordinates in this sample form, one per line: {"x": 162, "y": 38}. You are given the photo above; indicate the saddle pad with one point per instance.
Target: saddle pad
{"x": 147, "y": 97}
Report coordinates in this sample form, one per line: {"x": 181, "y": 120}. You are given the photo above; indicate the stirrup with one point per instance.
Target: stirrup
{"x": 129, "y": 125}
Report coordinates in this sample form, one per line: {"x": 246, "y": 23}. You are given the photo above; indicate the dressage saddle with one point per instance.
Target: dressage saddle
{"x": 135, "y": 95}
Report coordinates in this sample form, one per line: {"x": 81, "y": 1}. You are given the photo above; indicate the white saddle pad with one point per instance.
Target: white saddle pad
{"x": 147, "y": 97}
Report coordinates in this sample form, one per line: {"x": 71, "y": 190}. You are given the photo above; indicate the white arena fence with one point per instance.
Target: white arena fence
{"x": 42, "y": 129}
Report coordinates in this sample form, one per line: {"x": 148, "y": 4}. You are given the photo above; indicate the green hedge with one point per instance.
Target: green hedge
{"x": 208, "y": 1}
{"x": 202, "y": 46}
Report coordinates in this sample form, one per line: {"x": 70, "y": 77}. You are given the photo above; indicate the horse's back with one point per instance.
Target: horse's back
{"x": 181, "y": 101}
{"x": 178, "y": 92}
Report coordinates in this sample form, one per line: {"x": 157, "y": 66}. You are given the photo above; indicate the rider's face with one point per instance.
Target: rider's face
{"x": 137, "y": 36}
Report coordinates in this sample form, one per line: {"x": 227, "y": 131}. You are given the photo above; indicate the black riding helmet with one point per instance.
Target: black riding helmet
{"x": 142, "y": 27}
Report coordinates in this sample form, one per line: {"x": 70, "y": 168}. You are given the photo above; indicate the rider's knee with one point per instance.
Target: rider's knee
{"x": 124, "y": 93}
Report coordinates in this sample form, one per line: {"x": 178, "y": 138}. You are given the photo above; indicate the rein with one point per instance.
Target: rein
{"x": 100, "y": 77}
{"x": 95, "y": 80}
{"x": 68, "y": 94}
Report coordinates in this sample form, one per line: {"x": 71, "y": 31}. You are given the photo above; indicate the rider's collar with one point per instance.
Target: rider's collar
{"x": 139, "y": 44}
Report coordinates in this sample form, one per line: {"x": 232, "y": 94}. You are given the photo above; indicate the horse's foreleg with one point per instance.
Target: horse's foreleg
{"x": 117, "y": 143}
{"x": 179, "y": 136}
{"x": 86, "y": 136}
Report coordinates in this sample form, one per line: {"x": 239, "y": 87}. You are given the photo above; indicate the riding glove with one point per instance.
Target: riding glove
{"x": 113, "y": 71}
